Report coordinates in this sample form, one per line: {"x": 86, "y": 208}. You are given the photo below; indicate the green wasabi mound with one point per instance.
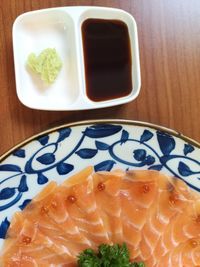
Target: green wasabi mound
{"x": 47, "y": 64}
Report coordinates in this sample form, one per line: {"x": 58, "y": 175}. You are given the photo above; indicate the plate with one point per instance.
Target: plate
{"x": 106, "y": 144}
{"x": 60, "y": 28}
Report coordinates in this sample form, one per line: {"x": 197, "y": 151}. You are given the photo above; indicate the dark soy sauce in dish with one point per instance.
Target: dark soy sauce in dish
{"x": 107, "y": 59}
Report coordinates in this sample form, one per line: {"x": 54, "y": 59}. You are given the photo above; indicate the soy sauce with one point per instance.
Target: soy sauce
{"x": 107, "y": 59}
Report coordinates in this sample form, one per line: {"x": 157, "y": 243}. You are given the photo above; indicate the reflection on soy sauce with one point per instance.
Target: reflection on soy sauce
{"x": 107, "y": 59}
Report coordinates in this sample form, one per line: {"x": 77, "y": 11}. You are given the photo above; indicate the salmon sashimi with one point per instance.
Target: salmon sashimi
{"x": 169, "y": 202}
{"x": 32, "y": 247}
{"x": 83, "y": 210}
{"x": 107, "y": 192}
{"x": 186, "y": 254}
{"x": 39, "y": 214}
{"x": 52, "y": 217}
{"x": 184, "y": 226}
{"x": 157, "y": 216}
{"x": 138, "y": 192}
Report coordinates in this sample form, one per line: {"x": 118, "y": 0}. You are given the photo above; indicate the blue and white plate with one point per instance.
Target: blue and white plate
{"x": 60, "y": 152}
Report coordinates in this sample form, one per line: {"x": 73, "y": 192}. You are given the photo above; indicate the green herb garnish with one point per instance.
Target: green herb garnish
{"x": 107, "y": 256}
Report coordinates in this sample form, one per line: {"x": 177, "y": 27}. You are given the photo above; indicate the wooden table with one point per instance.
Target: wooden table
{"x": 169, "y": 39}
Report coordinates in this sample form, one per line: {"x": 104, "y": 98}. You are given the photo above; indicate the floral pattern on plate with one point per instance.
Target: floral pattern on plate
{"x": 105, "y": 145}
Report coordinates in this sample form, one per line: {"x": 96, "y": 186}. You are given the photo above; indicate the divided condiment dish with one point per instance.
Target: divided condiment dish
{"x": 60, "y": 28}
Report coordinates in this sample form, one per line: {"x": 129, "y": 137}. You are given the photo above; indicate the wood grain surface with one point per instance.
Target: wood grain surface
{"x": 169, "y": 40}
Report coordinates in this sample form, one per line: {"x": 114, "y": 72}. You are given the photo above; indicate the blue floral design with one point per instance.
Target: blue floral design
{"x": 103, "y": 145}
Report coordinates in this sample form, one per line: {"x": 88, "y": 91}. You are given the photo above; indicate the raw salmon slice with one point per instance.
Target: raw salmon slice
{"x": 186, "y": 254}
{"x": 51, "y": 216}
{"x": 83, "y": 210}
{"x": 184, "y": 226}
{"x": 169, "y": 202}
{"x": 107, "y": 194}
{"x": 32, "y": 248}
{"x": 39, "y": 214}
{"x": 138, "y": 193}
{"x": 156, "y": 215}
{"x": 54, "y": 213}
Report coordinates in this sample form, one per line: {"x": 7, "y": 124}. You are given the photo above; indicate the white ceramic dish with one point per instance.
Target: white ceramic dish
{"x": 60, "y": 28}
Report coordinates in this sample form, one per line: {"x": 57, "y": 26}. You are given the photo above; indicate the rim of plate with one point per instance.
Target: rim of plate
{"x": 101, "y": 121}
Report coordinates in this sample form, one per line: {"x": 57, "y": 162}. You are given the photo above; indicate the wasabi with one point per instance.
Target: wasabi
{"x": 47, "y": 64}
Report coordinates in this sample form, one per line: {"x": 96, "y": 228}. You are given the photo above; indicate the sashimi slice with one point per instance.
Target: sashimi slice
{"x": 55, "y": 213}
{"x": 46, "y": 192}
{"x": 184, "y": 226}
{"x": 39, "y": 212}
{"x": 79, "y": 177}
{"x": 15, "y": 225}
{"x": 186, "y": 254}
{"x": 107, "y": 195}
{"x": 170, "y": 201}
{"x": 138, "y": 192}
{"x": 32, "y": 248}
{"x": 50, "y": 213}
{"x": 83, "y": 210}
{"x": 19, "y": 217}
{"x": 54, "y": 210}
{"x": 59, "y": 214}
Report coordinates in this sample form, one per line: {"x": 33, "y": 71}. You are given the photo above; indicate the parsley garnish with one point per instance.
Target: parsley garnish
{"x": 107, "y": 256}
